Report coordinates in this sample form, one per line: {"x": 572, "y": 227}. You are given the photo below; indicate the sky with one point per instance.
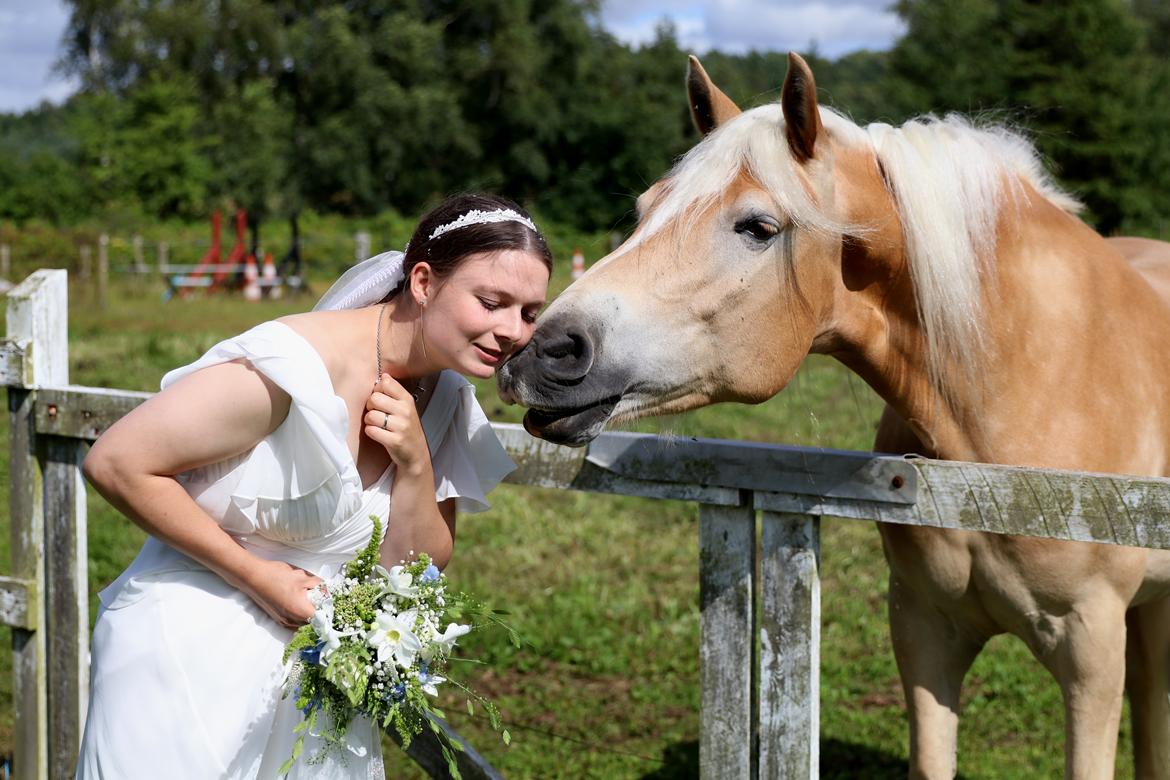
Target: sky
{"x": 31, "y": 30}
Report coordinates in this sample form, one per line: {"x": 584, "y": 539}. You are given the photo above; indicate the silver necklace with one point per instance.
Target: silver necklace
{"x": 417, "y": 392}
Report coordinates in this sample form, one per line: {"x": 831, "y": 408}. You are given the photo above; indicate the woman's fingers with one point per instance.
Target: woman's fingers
{"x": 392, "y": 387}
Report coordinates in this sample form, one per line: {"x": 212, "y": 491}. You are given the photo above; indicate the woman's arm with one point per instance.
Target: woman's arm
{"x": 205, "y": 417}
{"x": 417, "y": 523}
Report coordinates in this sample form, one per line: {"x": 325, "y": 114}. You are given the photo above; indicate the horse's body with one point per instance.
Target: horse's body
{"x": 939, "y": 263}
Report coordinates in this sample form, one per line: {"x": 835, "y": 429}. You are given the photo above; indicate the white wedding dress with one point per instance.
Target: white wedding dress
{"x": 186, "y": 671}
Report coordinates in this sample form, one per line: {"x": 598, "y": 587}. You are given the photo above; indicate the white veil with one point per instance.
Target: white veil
{"x": 364, "y": 284}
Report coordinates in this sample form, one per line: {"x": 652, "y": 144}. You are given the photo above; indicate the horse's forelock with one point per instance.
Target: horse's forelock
{"x": 753, "y": 143}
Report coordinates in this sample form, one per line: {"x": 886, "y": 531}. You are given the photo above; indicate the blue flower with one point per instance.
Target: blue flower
{"x": 398, "y": 692}
{"x": 312, "y": 655}
{"x": 314, "y": 704}
{"x": 430, "y": 573}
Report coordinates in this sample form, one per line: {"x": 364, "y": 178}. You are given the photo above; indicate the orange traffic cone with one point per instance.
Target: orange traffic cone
{"x": 578, "y": 263}
{"x": 251, "y": 285}
{"x": 271, "y": 283}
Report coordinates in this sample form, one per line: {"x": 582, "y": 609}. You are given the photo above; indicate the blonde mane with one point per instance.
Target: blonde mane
{"x": 950, "y": 181}
{"x": 949, "y": 178}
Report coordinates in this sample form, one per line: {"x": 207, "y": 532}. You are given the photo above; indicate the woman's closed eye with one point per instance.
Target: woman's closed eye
{"x": 489, "y": 304}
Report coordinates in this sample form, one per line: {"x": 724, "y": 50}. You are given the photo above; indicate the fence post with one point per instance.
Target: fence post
{"x": 727, "y": 542}
{"x": 103, "y": 269}
{"x": 66, "y": 600}
{"x": 790, "y": 639}
{"x": 361, "y": 245}
{"x": 36, "y": 319}
{"x": 139, "y": 254}
{"x": 163, "y": 254}
{"x": 5, "y": 261}
{"x": 86, "y": 267}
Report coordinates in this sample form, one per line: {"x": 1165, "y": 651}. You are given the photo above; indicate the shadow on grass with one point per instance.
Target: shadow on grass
{"x": 839, "y": 761}
{"x": 680, "y": 761}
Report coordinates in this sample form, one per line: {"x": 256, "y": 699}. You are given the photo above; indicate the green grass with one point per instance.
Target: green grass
{"x": 604, "y": 589}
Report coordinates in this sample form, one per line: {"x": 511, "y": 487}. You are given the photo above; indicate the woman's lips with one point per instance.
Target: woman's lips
{"x": 490, "y": 356}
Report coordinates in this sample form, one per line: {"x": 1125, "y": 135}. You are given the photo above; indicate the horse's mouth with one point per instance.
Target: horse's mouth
{"x": 574, "y": 427}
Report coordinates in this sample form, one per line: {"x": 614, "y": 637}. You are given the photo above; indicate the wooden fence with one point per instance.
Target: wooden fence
{"x": 758, "y": 504}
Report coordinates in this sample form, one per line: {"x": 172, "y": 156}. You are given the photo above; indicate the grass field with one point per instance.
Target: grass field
{"x": 604, "y": 590}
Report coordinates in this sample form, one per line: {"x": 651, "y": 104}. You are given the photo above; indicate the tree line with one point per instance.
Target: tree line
{"x": 357, "y": 106}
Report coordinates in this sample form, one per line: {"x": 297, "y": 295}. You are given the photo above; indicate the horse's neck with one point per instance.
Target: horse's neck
{"x": 1073, "y": 338}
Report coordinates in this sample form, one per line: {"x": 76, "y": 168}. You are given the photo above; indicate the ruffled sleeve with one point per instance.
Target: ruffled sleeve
{"x": 299, "y": 483}
{"x": 467, "y": 457}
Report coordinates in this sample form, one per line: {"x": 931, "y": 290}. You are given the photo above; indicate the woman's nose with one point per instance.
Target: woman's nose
{"x": 511, "y": 328}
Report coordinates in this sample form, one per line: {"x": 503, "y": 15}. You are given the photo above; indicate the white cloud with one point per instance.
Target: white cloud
{"x": 737, "y": 26}
{"x": 30, "y": 35}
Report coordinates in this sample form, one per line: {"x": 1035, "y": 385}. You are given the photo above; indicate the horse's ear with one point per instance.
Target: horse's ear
{"x": 709, "y": 106}
{"x": 802, "y": 118}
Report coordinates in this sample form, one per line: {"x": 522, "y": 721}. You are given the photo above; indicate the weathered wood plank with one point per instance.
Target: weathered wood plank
{"x": 36, "y": 319}
{"x": 1106, "y": 508}
{"x": 26, "y": 516}
{"x": 425, "y": 750}
{"x": 83, "y": 412}
{"x": 543, "y": 464}
{"x": 12, "y": 370}
{"x": 727, "y": 539}
{"x": 755, "y": 466}
{"x": 66, "y": 601}
{"x": 18, "y": 606}
{"x": 790, "y": 640}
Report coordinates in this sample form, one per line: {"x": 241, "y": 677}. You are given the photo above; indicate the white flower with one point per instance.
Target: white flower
{"x": 393, "y": 636}
{"x": 322, "y": 623}
{"x": 398, "y": 581}
{"x": 444, "y": 641}
{"x": 429, "y": 683}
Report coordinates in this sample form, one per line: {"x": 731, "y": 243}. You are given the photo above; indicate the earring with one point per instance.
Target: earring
{"x": 422, "y": 301}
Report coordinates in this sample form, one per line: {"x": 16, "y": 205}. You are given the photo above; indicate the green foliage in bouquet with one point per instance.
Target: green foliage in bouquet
{"x": 378, "y": 646}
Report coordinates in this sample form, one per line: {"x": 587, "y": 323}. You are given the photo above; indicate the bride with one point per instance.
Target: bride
{"x": 255, "y": 471}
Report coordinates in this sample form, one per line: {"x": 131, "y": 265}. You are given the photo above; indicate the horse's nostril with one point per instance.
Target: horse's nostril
{"x": 567, "y": 345}
{"x": 566, "y": 355}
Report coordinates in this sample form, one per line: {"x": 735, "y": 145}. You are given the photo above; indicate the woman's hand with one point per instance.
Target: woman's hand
{"x": 282, "y": 590}
{"x": 391, "y": 419}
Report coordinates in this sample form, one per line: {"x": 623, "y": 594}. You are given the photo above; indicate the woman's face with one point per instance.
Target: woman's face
{"x": 478, "y": 316}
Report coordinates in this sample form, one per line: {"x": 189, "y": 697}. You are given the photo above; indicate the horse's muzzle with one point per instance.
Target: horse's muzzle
{"x": 557, "y": 377}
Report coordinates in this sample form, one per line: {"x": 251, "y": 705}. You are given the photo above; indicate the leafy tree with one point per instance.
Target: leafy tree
{"x": 1076, "y": 72}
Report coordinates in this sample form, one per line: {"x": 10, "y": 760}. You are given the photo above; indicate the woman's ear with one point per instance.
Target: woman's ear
{"x": 421, "y": 283}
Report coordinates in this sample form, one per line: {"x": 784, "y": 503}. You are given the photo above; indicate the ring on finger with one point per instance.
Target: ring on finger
{"x": 386, "y": 423}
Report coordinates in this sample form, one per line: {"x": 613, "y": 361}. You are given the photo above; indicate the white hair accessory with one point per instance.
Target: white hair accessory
{"x": 477, "y": 217}
{"x": 366, "y": 283}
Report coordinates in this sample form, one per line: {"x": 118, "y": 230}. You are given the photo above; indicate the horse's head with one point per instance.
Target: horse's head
{"x": 735, "y": 272}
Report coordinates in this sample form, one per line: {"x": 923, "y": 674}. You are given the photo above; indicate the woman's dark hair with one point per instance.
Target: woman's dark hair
{"x": 444, "y": 253}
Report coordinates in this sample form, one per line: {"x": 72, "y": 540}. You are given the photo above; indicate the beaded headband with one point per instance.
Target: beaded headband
{"x": 477, "y": 217}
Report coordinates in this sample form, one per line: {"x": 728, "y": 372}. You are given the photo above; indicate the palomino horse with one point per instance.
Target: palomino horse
{"x": 940, "y": 263}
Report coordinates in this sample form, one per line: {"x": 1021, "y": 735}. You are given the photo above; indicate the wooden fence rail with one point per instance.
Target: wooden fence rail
{"x": 758, "y": 504}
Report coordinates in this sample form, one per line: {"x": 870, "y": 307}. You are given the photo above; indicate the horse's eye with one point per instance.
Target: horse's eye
{"x": 762, "y": 229}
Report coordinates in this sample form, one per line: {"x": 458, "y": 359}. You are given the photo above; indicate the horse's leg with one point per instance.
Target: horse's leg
{"x": 933, "y": 656}
{"x": 1147, "y": 681}
{"x": 932, "y": 651}
{"x": 1085, "y": 650}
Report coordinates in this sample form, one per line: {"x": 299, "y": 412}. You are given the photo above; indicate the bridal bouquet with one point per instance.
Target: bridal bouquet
{"x": 378, "y": 646}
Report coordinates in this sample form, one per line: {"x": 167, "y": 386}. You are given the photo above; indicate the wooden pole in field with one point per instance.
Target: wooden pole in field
{"x": 103, "y": 269}
{"x": 5, "y": 262}
{"x": 139, "y": 255}
{"x": 361, "y": 245}
{"x": 85, "y": 271}
{"x": 50, "y": 650}
{"x": 163, "y": 254}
